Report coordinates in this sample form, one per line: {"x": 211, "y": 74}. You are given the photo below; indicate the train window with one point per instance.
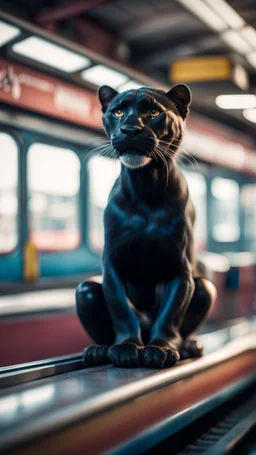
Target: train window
{"x": 53, "y": 185}
{"x": 225, "y": 210}
{"x": 198, "y": 191}
{"x": 102, "y": 175}
{"x": 248, "y": 200}
{"x": 8, "y": 193}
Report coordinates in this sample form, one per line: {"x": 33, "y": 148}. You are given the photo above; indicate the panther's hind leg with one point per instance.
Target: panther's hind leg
{"x": 94, "y": 317}
{"x": 198, "y": 309}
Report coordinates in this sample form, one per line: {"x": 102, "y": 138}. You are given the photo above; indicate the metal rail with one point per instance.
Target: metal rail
{"x": 26, "y": 372}
{"x": 40, "y": 408}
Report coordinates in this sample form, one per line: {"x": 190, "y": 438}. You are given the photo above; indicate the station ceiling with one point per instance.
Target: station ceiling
{"x": 150, "y": 35}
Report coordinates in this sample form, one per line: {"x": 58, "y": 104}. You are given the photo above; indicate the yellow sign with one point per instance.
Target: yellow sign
{"x": 200, "y": 69}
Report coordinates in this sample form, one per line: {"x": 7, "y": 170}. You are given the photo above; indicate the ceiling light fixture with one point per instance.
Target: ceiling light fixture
{"x": 7, "y": 33}
{"x": 249, "y": 33}
{"x": 51, "y": 54}
{"x": 206, "y": 14}
{"x": 252, "y": 59}
{"x": 237, "y": 42}
{"x": 250, "y": 114}
{"x": 227, "y": 13}
{"x": 102, "y": 75}
{"x": 236, "y": 101}
{"x": 240, "y": 77}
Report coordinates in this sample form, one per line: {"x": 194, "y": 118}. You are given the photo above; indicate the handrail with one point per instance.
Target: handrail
{"x": 97, "y": 390}
{"x": 18, "y": 374}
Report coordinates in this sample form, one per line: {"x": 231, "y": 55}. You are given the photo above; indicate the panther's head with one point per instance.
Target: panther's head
{"x": 145, "y": 125}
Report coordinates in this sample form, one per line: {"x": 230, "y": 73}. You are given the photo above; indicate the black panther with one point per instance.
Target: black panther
{"x": 154, "y": 293}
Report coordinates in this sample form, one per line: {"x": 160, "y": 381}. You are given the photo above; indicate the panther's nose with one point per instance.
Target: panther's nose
{"x": 131, "y": 131}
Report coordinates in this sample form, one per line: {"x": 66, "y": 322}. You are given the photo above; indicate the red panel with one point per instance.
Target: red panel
{"x": 40, "y": 337}
{"x": 37, "y": 92}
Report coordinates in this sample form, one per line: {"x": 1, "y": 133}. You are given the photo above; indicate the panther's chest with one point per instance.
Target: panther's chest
{"x": 152, "y": 227}
{"x": 141, "y": 242}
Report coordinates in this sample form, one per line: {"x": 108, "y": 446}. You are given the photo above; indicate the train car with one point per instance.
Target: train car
{"x": 55, "y": 181}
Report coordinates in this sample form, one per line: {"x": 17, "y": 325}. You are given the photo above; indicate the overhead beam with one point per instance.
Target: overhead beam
{"x": 70, "y": 9}
{"x": 87, "y": 31}
{"x": 166, "y": 20}
{"x": 178, "y": 50}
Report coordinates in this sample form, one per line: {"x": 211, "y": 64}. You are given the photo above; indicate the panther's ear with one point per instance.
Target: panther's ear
{"x": 106, "y": 94}
{"x": 181, "y": 97}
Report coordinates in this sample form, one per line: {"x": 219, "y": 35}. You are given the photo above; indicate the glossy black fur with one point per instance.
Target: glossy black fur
{"x": 152, "y": 296}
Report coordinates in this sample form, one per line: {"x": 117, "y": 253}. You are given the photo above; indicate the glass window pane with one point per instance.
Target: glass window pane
{"x": 8, "y": 193}
{"x": 225, "y": 210}
{"x": 102, "y": 174}
{"x": 197, "y": 191}
{"x": 53, "y": 182}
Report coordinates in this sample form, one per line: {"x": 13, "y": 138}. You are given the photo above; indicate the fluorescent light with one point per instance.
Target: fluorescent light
{"x": 130, "y": 85}
{"x": 51, "y": 54}
{"x": 102, "y": 75}
{"x": 226, "y": 12}
{"x": 249, "y": 33}
{"x": 240, "y": 77}
{"x": 237, "y": 42}
{"x": 252, "y": 59}
{"x": 7, "y": 33}
{"x": 206, "y": 14}
{"x": 236, "y": 101}
{"x": 250, "y": 114}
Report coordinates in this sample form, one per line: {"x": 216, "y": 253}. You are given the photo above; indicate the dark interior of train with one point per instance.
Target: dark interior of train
{"x": 56, "y": 175}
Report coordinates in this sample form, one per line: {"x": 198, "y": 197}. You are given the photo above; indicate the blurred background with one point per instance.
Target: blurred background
{"x": 54, "y": 181}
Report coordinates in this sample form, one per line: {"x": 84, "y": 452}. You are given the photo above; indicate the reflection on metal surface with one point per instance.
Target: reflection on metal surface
{"x": 37, "y": 397}
{"x": 8, "y": 408}
{"x": 213, "y": 341}
{"x": 239, "y": 330}
{"x": 16, "y": 406}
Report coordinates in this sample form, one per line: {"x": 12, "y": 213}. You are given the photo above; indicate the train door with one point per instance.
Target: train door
{"x": 44, "y": 189}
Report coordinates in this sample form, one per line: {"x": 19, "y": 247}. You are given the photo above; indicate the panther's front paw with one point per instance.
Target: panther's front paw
{"x": 125, "y": 355}
{"x": 159, "y": 356}
{"x": 191, "y": 349}
{"x": 96, "y": 355}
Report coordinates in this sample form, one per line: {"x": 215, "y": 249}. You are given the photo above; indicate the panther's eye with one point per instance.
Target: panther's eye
{"x": 118, "y": 113}
{"x": 154, "y": 113}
